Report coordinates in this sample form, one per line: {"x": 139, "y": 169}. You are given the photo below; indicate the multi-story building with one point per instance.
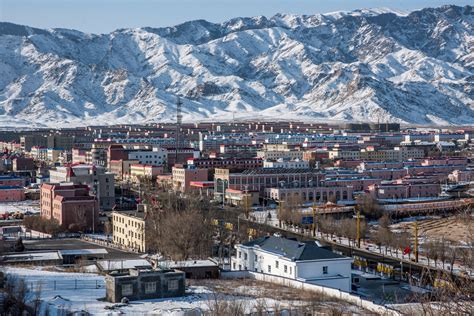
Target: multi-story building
{"x": 156, "y": 157}
{"x": 97, "y": 155}
{"x": 139, "y": 172}
{"x": 60, "y": 141}
{"x": 100, "y": 182}
{"x": 12, "y": 181}
{"x": 287, "y": 164}
{"x": 129, "y": 230}
{"x": 404, "y": 190}
{"x": 372, "y": 154}
{"x": 79, "y": 155}
{"x": 292, "y": 259}
{"x": 356, "y": 183}
{"x": 39, "y": 153}
{"x": 70, "y": 205}
{"x": 10, "y": 193}
{"x": 121, "y": 168}
{"x": 33, "y": 140}
{"x": 228, "y": 163}
{"x": 182, "y": 177}
{"x": 23, "y": 164}
{"x": 310, "y": 194}
{"x": 53, "y": 154}
{"x": 280, "y": 154}
{"x": 183, "y": 155}
{"x": 259, "y": 179}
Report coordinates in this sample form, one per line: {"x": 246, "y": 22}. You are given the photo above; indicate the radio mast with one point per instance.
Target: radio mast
{"x": 179, "y": 119}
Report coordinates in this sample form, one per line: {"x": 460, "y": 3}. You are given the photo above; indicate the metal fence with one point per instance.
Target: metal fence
{"x": 68, "y": 284}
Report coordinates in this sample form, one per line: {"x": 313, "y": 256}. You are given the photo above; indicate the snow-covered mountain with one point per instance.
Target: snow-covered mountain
{"x": 363, "y": 65}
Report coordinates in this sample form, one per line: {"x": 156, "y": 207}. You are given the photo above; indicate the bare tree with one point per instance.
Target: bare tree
{"x": 182, "y": 232}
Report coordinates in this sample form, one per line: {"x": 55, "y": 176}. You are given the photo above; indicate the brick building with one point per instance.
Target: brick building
{"x": 70, "y": 205}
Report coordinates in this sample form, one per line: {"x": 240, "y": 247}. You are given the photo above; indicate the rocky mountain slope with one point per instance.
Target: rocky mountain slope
{"x": 362, "y": 65}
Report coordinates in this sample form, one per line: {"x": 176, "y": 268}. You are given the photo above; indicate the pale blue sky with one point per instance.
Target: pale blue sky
{"x": 100, "y": 16}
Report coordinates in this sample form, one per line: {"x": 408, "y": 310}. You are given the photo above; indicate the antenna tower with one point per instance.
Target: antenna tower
{"x": 179, "y": 119}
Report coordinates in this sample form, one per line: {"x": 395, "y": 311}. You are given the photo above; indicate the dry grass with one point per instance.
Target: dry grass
{"x": 289, "y": 301}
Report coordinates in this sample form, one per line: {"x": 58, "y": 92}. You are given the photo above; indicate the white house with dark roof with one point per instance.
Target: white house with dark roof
{"x": 293, "y": 259}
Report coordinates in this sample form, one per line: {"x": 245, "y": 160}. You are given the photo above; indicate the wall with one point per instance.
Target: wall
{"x": 314, "y": 269}
{"x": 354, "y": 299}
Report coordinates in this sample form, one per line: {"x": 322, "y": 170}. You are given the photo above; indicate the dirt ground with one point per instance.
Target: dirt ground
{"x": 451, "y": 228}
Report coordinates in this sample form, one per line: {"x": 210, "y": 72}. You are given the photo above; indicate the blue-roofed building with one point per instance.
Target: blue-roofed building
{"x": 293, "y": 259}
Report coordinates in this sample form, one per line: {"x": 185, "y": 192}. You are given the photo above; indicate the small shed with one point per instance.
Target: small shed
{"x": 72, "y": 256}
{"x": 34, "y": 258}
{"x": 122, "y": 266}
{"x": 139, "y": 284}
{"x": 194, "y": 269}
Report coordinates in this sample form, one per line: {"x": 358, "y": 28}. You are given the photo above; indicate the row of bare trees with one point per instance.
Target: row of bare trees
{"x": 38, "y": 223}
{"x": 179, "y": 227}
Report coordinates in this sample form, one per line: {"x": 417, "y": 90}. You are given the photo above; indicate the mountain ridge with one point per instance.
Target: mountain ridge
{"x": 415, "y": 68}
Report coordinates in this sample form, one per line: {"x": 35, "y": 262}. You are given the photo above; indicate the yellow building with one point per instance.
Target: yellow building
{"x": 128, "y": 230}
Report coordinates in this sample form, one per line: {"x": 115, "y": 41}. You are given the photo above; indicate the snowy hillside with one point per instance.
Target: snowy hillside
{"x": 364, "y": 65}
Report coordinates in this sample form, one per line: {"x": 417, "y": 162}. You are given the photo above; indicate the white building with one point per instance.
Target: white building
{"x": 157, "y": 157}
{"x": 288, "y": 164}
{"x": 289, "y": 258}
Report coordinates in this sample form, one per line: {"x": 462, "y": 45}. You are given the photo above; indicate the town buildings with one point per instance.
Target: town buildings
{"x": 9, "y": 193}
{"x": 292, "y": 259}
{"x": 70, "y": 205}
{"x": 99, "y": 181}
{"x": 182, "y": 177}
{"x": 129, "y": 229}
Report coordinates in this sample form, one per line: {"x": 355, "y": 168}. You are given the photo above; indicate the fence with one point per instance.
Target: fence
{"x": 334, "y": 293}
{"x": 108, "y": 244}
{"x": 68, "y": 284}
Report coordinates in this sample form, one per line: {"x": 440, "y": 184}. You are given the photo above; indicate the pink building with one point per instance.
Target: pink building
{"x": 386, "y": 174}
{"x": 357, "y": 184}
{"x": 445, "y": 161}
{"x": 12, "y": 181}
{"x": 311, "y": 194}
{"x": 12, "y": 193}
{"x": 70, "y": 205}
{"x": 404, "y": 190}
{"x": 182, "y": 177}
{"x": 462, "y": 176}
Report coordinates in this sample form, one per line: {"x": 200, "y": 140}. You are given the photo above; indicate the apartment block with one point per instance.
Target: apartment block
{"x": 129, "y": 230}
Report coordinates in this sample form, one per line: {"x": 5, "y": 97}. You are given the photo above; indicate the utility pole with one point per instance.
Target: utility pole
{"x": 280, "y": 205}
{"x": 314, "y": 220}
{"x": 415, "y": 251}
{"x": 358, "y": 230}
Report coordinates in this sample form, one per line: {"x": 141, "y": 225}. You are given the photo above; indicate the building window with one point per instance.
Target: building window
{"x": 240, "y": 254}
{"x": 291, "y": 270}
{"x": 245, "y": 256}
{"x": 276, "y": 264}
{"x": 269, "y": 269}
{"x": 285, "y": 268}
{"x": 256, "y": 258}
{"x": 233, "y": 265}
{"x": 173, "y": 285}
{"x": 325, "y": 270}
{"x": 150, "y": 287}
{"x": 127, "y": 289}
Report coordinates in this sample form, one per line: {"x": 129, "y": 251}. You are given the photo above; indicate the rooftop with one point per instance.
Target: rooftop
{"x": 10, "y": 187}
{"x": 277, "y": 171}
{"x": 293, "y": 249}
